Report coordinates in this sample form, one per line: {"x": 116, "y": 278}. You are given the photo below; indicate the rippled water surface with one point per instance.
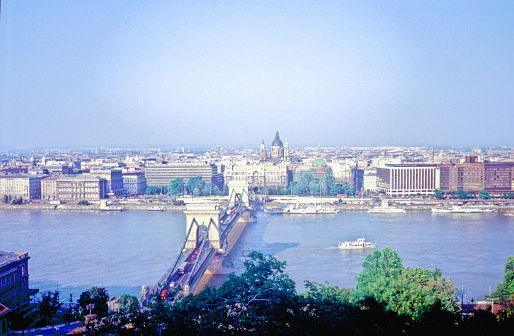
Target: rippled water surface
{"x": 72, "y": 251}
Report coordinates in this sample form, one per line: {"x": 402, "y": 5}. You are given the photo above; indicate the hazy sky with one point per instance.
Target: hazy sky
{"x": 356, "y": 73}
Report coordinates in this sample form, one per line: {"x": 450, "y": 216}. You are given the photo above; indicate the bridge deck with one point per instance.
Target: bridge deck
{"x": 191, "y": 264}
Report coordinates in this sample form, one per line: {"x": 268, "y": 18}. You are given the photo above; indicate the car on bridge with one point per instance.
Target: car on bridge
{"x": 182, "y": 269}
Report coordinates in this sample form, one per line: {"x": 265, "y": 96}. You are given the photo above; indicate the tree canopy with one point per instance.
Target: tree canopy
{"x": 505, "y": 290}
{"x": 262, "y": 300}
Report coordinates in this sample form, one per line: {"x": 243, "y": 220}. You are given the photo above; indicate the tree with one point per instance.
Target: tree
{"x": 46, "y": 310}
{"x": 150, "y": 190}
{"x": 413, "y": 293}
{"x": 380, "y": 268}
{"x": 97, "y": 296}
{"x": 345, "y": 188}
{"x": 438, "y": 194}
{"x": 195, "y": 182}
{"x": 461, "y": 194}
{"x": 5, "y": 199}
{"x": 505, "y": 290}
{"x": 484, "y": 194}
{"x": 128, "y": 303}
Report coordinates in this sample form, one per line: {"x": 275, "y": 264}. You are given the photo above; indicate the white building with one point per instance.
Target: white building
{"x": 259, "y": 175}
{"x": 24, "y": 186}
{"x": 408, "y": 179}
{"x": 369, "y": 184}
{"x": 134, "y": 183}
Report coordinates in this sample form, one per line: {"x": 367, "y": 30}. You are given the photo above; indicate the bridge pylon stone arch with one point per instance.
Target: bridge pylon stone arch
{"x": 238, "y": 190}
{"x": 201, "y": 214}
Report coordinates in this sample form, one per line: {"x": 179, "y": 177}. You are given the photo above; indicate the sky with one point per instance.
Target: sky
{"x": 232, "y": 73}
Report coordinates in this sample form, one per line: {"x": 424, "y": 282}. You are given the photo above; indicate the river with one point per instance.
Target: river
{"x": 73, "y": 251}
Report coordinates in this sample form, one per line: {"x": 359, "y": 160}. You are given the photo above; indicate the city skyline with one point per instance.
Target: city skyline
{"x": 334, "y": 74}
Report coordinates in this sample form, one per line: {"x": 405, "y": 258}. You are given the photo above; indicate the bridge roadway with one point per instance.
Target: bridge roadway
{"x": 191, "y": 264}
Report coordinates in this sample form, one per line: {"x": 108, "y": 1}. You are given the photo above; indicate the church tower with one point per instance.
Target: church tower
{"x": 262, "y": 152}
{"x": 287, "y": 155}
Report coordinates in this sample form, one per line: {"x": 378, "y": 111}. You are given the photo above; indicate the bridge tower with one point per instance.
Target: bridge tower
{"x": 207, "y": 215}
{"x": 238, "y": 190}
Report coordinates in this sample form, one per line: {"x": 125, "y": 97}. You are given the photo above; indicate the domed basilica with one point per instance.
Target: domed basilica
{"x": 278, "y": 151}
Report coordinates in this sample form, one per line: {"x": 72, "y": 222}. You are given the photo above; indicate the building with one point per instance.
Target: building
{"x": 499, "y": 177}
{"x": 278, "y": 151}
{"x": 25, "y": 186}
{"x": 471, "y": 176}
{"x": 369, "y": 181}
{"x": 260, "y": 175}
{"x": 408, "y": 179}
{"x": 14, "y": 280}
{"x": 4, "y": 322}
{"x": 134, "y": 183}
{"x": 49, "y": 188}
{"x": 158, "y": 175}
{"x": 80, "y": 188}
{"x": 113, "y": 180}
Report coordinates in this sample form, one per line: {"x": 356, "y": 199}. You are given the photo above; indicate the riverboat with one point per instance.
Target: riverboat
{"x": 156, "y": 209}
{"x": 462, "y": 209}
{"x": 274, "y": 210}
{"x": 111, "y": 208}
{"x": 358, "y": 244}
{"x": 310, "y": 210}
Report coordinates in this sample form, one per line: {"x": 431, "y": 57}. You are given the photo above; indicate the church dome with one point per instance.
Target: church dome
{"x": 277, "y": 141}
{"x": 319, "y": 162}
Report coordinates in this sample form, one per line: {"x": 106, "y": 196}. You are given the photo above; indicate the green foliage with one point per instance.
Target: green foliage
{"x": 409, "y": 292}
{"x": 461, "y": 194}
{"x": 83, "y": 202}
{"x": 16, "y": 200}
{"x": 308, "y": 184}
{"x": 389, "y": 299}
{"x": 5, "y": 199}
{"x": 195, "y": 183}
{"x": 97, "y": 296}
{"x": 128, "y": 303}
{"x": 46, "y": 310}
{"x": 484, "y": 194}
{"x": 438, "y": 194}
{"x": 505, "y": 290}
{"x": 345, "y": 188}
{"x": 150, "y": 190}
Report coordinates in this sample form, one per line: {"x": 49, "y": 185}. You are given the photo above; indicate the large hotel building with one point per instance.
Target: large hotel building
{"x": 158, "y": 175}
{"x": 408, "y": 179}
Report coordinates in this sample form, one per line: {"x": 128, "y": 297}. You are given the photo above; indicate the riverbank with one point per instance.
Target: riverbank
{"x": 90, "y": 207}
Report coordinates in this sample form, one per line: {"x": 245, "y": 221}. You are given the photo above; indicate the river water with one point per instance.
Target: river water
{"x": 73, "y": 251}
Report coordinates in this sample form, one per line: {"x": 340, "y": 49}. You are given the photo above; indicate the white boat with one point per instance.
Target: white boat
{"x": 358, "y": 244}
{"x": 462, "y": 209}
{"x": 274, "y": 210}
{"x": 385, "y": 208}
{"x": 111, "y": 208}
{"x": 310, "y": 210}
{"x": 156, "y": 208}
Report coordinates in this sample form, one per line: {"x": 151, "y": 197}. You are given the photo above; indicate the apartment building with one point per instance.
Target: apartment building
{"x": 80, "y": 188}
{"x": 26, "y": 186}
{"x": 49, "y": 188}
{"x": 134, "y": 183}
{"x": 113, "y": 180}
{"x": 14, "y": 280}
